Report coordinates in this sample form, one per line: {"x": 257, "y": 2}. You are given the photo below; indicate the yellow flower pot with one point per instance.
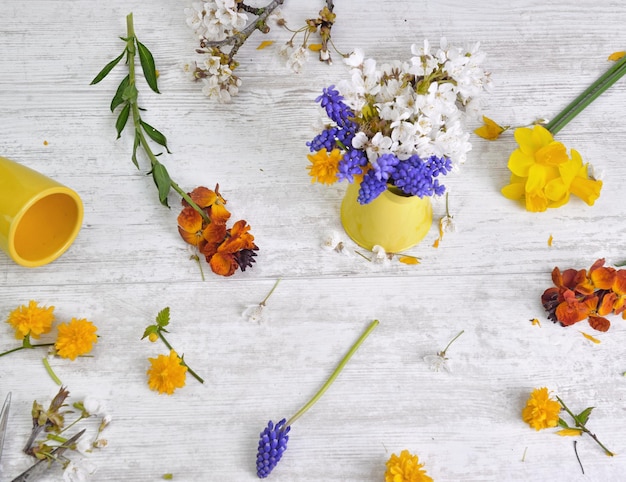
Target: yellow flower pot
{"x": 394, "y": 221}
{"x": 39, "y": 218}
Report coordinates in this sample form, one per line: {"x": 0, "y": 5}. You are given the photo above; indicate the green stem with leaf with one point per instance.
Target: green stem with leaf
{"x": 126, "y": 98}
{"x": 580, "y": 421}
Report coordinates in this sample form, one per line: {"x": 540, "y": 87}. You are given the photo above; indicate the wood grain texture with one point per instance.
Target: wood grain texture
{"x": 128, "y": 261}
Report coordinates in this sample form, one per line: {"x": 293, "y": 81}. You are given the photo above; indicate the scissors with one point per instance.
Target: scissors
{"x": 42, "y": 465}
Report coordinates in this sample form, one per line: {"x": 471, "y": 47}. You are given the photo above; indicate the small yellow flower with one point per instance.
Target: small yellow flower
{"x": 490, "y": 130}
{"x": 75, "y": 338}
{"x": 31, "y": 320}
{"x": 405, "y": 468}
{"x": 569, "y": 432}
{"x": 540, "y": 410}
{"x": 325, "y": 166}
{"x": 153, "y": 337}
{"x": 166, "y": 373}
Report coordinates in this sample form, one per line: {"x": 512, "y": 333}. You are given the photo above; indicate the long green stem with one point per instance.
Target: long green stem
{"x": 582, "y": 427}
{"x": 334, "y": 375}
{"x": 50, "y": 371}
{"x": 167, "y": 344}
{"x": 611, "y": 76}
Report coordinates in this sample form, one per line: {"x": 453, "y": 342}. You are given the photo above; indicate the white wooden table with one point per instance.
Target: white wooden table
{"x": 129, "y": 262}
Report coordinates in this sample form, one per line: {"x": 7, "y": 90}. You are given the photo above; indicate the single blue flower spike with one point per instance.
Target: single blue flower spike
{"x": 272, "y": 444}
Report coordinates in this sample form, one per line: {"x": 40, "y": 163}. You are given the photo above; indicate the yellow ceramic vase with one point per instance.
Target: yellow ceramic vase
{"x": 394, "y": 221}
{"x": 39, "y": 218}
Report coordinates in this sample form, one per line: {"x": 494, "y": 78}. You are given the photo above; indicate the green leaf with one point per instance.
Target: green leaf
{"x": 150, "y": 330}
{"x": 163, "y": 317}
{"x": 118, "y": 98}
{"x": 583, "y": 416}
{"x": 155, "y": 135}
{"x": 562, "y": 423}
{"x": 162, "y": 181}
{"x": 122, "y": 119}
{"x": 148, "y": 67}
{"x": 107, "y": 68}
{"x": 135, "y": 146}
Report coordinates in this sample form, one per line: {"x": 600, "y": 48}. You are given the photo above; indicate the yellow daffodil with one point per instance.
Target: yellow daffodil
{"x": 405, "y": 468}
{"x": 31, "y": 320}
{"x": 325, "y": 166}
{"x": 75, "y": 338}
{"x": 540, "y": 410}
{"x": 166, "y": 373}
{"x": 543, "y": 173}
{"x": 490, "y": 130}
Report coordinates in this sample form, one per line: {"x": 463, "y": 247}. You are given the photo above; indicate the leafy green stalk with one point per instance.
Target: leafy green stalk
{"x": 156, "y": 331}
{"x": 580, "y": 421}
{"x": 592, "y": 92}
{"x": 126, "y": 97}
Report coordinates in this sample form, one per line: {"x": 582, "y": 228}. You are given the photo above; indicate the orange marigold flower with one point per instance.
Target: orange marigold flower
{"x": 541, "y": 411}
{"x": 31, "y": 320}
{"x": 75, "y": 338}
{"x": 405, "y": 468}
{"x": 166, "y": 373}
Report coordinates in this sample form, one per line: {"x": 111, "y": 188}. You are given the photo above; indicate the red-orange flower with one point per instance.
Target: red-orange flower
{"x": 591, "y": 294}
{"x": 224, "y": 249}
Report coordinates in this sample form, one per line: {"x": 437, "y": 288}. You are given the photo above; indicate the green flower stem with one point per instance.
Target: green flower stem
{"x": 582, "y": 427}
{"x": 167, "y": 344}
{"x": 443, "y": 353}
{"x": 131, "y": 52}
{"x": 23, "y": 347}
{"x": 334, "y": 375}
{"x": 262, "y": 303}
{"x": 611, "y": 76}
{"x": 50, "y": 371}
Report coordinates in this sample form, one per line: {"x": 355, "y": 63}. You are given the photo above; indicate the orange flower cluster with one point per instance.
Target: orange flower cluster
{"x": 592, "y": 294}
{"x": 224, "y": 249}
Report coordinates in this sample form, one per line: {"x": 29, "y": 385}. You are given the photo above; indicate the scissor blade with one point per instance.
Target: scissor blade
{"x": 41, "y": 466}
{"x": 4, "y": 418}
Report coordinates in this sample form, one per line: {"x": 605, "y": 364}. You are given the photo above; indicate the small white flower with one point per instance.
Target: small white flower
{"x": 78, "y": 471}
{"x": 379, "y": 254}
{"x": 437, "y": 363}
{"x": 355, "y": 59}
{"x": 331, "y": 241}
{"x": 297, "y": 59}
{"x": 93, "y": 406}
{"x": 253, "y": 313}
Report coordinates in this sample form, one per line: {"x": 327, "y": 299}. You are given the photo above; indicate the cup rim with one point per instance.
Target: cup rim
{"x": 44, "y": 193}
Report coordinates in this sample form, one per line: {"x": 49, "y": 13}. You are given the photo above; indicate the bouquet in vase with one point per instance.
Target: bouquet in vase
{"x": 399, "y": 125}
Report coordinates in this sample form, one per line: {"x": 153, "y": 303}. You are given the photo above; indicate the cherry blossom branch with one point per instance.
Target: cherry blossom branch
{"x": 240, "y": 38}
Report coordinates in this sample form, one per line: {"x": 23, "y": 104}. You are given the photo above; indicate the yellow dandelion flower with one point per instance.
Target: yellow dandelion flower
{"x": 166, "y": 373}
{"x": 405, "y": 468}
{"x": 325, "y": 166}
{"x": 75, "y": 338}
{"x": 540, "y": 410}
{"x": 31, "y": 320}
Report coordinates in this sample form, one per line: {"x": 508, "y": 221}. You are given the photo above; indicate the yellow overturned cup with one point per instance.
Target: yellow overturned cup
{"x": 39, "y": 217}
